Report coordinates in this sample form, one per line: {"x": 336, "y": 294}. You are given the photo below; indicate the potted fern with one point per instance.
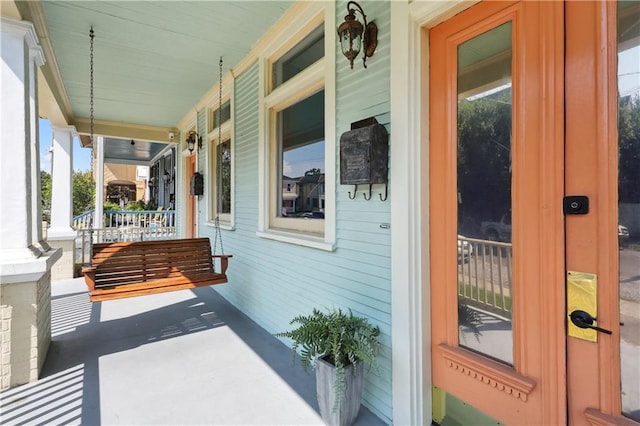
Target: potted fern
{"x": 339, "y": 345}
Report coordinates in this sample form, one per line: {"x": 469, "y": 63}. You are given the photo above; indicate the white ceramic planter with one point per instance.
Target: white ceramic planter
{"x": 347, "y": 410}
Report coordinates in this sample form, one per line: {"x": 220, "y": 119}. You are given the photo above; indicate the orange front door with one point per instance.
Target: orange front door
{"x": 523, "y": 100}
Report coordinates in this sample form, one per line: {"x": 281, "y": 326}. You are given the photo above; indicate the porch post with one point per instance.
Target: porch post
{"x": 60, "y": 232}
{"x": 25, "y": 279}
{"x": 99, "y": 177}
{"x": 36, "y": 186}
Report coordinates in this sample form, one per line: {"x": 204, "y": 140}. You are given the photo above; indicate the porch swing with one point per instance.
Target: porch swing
{"x": 127, "y": 269}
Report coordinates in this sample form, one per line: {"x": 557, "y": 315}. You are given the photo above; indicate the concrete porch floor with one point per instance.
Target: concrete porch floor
{"x": 186, "y": 357}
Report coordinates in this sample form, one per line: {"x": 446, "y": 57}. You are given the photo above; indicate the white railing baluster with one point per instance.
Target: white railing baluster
{"x": 489, "y": 279}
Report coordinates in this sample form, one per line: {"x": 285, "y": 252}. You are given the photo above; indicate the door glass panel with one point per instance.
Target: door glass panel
{"x": 484, "y": 194}
{"x": 629, "y": 203}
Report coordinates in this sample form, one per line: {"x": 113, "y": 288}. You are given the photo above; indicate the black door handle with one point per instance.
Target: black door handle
{"x": 582, "y": 319}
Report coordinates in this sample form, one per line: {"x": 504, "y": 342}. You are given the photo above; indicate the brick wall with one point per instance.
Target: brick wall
{"x": 25, "y": 330}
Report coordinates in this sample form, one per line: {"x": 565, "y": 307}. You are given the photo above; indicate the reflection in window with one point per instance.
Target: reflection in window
{"x": 629, "y": 202}
{"x": 484, "y": 194}
{"x": 305, "y": 53}
{"x": 301, "y": 153}
{"x": 224, "y": 177}
{"x": 220, "y": 115}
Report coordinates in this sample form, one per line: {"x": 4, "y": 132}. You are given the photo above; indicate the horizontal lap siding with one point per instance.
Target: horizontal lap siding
{"x": 272, "y": 281}
{"x": 363, "y": 245}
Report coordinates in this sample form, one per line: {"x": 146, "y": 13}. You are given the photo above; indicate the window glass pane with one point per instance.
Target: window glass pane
{"x": 629, "y": 203}
{"x": 224, "y": 116}
{"x": 305, "y": 53}
{"x": 301, "y": 154}
{"x": 224, "y": 177}
{"x": 484, "y": 194}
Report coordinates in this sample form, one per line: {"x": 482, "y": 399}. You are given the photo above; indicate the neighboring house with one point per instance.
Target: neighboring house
{"x": 123, "y": 185}
{"x": 311, "y": 193}
{"x": 289, "y": 195}
{"x": 510, "y": 105}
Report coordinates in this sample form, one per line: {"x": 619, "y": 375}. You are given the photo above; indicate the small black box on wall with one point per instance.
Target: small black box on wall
{"x": 364, "y": 153}
{"x": 197, "y": 184}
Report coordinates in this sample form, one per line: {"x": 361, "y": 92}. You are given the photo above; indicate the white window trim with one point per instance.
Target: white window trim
{"x": 317, "y": 76}
{"x": 410, "y": 296}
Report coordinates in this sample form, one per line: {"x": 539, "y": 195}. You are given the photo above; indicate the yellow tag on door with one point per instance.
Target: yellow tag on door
{"x": 582, "y": 295}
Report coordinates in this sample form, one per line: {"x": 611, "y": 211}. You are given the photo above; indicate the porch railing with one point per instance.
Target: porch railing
{"x": 122, "y": 225}
{"x": 86, "y": 237}
{"x": 119, "y": 218}
{"x": 485, "y": 275}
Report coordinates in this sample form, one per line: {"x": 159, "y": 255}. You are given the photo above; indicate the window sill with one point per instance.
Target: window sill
{"x": 297, "y": 238}
{"x": 225, "y": 226}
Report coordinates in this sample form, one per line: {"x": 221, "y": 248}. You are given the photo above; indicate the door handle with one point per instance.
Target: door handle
{"x": 582, "y": 319}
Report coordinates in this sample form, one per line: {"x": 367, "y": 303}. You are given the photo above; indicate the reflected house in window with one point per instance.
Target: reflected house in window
{"x": 289, "y": 195}
{"x": 311, "y": 194}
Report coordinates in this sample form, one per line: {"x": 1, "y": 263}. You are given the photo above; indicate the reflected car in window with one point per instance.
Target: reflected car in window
{"x": 465, "y": 249}
{"x": 623, "y": 235}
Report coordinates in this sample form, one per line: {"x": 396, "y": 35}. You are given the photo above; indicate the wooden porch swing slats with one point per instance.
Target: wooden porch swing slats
{"x": 128, "y": 269}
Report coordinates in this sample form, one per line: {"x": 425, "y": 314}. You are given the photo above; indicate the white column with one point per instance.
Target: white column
{"x": 60, "y": 233}
{"x": 99, "y": 176}
{"x": 16, "y": 214}
{"x": 61, "y": 183}
{"x": 25, "y": 282}
{"x": 36, "y": 186}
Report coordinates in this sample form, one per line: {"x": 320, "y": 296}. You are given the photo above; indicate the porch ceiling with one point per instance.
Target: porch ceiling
{"x": 153, "y": 60}
{"x": 123, "y": 151}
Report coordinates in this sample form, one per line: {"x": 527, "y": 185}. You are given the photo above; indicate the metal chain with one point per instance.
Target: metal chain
{"x": 218, "y": 235}
{"x": 91, "y": 36}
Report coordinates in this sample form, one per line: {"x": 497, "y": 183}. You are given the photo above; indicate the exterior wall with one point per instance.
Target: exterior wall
{"x": 123, "y": 172}
{"x": 24, "y": 338}
{"x": 273, "y": 281}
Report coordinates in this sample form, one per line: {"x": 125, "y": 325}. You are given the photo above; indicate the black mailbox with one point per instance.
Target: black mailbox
{"x": 197, "y": 184}
{"x": 364, "y": 154}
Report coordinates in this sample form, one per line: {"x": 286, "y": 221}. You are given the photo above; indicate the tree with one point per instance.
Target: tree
{"x": 313, "y": 172}
{"x": 45, "y": 192}
{"x": 629, "y": 149}
{"x": 484, "y": 157}
{"x": 83, "y": 192}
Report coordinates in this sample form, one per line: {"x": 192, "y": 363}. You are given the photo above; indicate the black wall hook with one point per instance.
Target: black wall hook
{"x": 365, "y": 194}
{"x": 355, "y": 192}
{"x": 386, "y": 193}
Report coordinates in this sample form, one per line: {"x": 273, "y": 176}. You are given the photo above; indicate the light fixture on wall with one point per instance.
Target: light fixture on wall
{"x": 166, "y": 177}
{"x": 192, "y": 139}
{"x": 354, "y": 36}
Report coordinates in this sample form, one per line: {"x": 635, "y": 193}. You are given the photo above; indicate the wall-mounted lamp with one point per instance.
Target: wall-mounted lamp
{"x": 192, "y": 139}
{"x": 166, "y": 177}
{"x": 354, "y": 36}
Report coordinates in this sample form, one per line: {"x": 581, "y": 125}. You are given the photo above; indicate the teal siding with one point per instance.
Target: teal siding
{"x": 272, "y": 281}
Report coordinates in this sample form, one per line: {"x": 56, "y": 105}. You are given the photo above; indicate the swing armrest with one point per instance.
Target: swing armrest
{"x": 224, "y": 261}
{"x": 89, "y": 273}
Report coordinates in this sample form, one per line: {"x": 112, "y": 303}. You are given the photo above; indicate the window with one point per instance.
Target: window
{"x": 220, "y": 165}
{"x": 225, "y": 115}
{"x": 305, "y": 53}
{"x": 301, "y": 164}
{"x": 223, "y": 189}
{"x": 297, "y": 165}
